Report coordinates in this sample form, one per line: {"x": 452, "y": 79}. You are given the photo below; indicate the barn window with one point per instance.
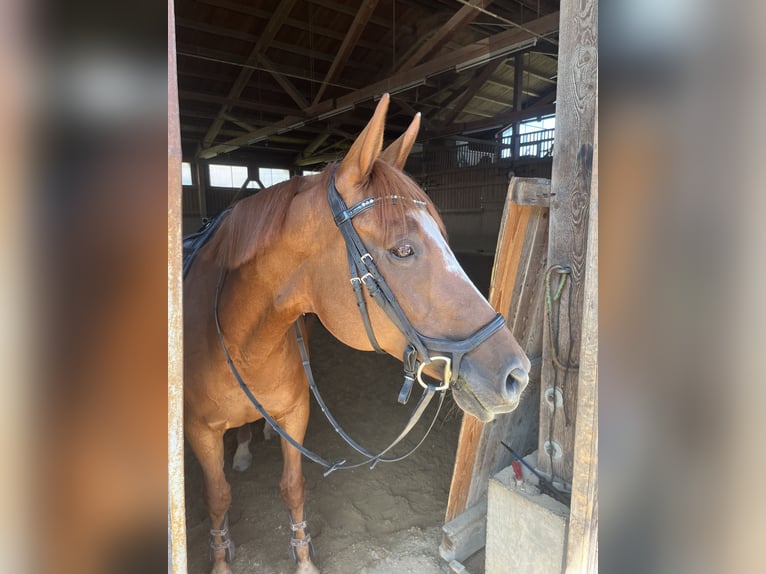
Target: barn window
{"x": 536, "y": 138}
{"x": 231, "y": 176}
{"x": 186, "y": 173}
{"x": 269, "y": 176}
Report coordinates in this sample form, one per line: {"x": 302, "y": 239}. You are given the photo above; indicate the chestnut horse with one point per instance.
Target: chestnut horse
{"x": 283, "y": 256}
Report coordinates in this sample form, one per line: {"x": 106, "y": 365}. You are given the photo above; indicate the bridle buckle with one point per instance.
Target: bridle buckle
{"x": 447, "y": 373}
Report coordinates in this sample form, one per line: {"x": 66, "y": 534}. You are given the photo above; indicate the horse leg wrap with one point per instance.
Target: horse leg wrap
{"x": 226, "y": 542}
{"x": 296, "y": 543}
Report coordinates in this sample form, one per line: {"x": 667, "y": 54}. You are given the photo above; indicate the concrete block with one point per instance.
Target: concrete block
{"x": 526, "y": 530}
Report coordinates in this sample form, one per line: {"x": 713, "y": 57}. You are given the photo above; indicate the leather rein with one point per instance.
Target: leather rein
{"x": 420, "y": 350}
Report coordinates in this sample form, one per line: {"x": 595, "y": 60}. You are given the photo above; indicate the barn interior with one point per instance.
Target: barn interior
{"x": 277, "y": 88}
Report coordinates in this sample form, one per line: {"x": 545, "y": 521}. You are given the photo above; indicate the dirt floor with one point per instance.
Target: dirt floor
{"x": 382, "y": 521}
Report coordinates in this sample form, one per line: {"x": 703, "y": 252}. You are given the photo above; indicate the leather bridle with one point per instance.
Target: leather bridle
{"x": 420, "y": 350}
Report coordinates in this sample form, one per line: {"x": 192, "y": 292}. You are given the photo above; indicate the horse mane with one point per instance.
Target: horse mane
{"x": 253, "y": 224}
{"x": 256, "y": 221}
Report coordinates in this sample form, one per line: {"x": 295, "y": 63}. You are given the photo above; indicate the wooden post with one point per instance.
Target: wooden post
{"x": 582, "y": 541}
{"x": 202, "y": 186}
{"x": 516, "y": 292}
{"x": 571, "y": 180}
{"x": 176, "y": 507}
{"x": 518, "y": 80}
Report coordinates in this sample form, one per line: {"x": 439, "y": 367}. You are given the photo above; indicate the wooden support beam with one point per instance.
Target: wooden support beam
{"x": 351, "y": 11}
{"x": 518, "y": 98}
{"x": 530, "y": 191}
{"x": 311, "y": 27}
{"x": 571, "y": 182}
{"x": 202, "y": 172}
{"x": 464, "y": 16}
{"x": 282, "y": 80}
{"x": 582, "y": 539}
{"x": 231, "y": 103}
{"x": 349, "y": 42}
{"x": 483, "y": 48}
{"x": 480, "y": 78}
{"x": 516, "y": 292}
{"x": 272, "y": 27}
{"x": 244, "y": 125}
{"x": 495, "y": 122}
{"x": 316, "y": 143}
{"x": 322, "y": 158}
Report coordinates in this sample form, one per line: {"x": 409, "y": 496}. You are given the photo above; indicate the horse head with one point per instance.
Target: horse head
{"x": 404, "y": 253}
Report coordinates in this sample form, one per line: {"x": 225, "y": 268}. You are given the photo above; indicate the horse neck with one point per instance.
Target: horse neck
{"x": 264, "y": 297}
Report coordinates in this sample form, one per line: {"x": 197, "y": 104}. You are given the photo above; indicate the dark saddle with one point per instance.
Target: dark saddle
{"x": 194, "y": 242}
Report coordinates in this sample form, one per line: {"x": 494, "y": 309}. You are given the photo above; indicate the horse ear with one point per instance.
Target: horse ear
{"x": 396, "y": 153}
{"x": 356, "y": 166}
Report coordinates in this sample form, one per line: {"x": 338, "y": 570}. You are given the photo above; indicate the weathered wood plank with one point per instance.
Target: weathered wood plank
{"x": 516, "y": 292}
{"x": 466, "y": 534}
{"x": 531, "y": 191}
{"x": 522, "y": 304}
{"x": 571, "y": 180}
{"x": 582, "y": 540}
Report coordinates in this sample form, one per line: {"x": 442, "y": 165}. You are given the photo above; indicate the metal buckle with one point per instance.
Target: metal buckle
{"x": 447, "y": 373}
{"x": 366, "y": 275}
{"x": 355, "y": 279}
{"x": 366, "y": 255}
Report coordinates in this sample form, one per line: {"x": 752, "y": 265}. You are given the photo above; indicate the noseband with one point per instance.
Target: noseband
{"x": 420, "y": 350}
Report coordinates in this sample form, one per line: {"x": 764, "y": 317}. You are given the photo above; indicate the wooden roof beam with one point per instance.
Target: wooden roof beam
{"x": 352, "y": 37}
{"x": 462, "y": 18}
{"x": 493, "y": 46}
{"x": 498, "y": 121}
{"x": 292, "y": 22}
{"x": 480, "y": 78}
{"x": 272, "y": 27}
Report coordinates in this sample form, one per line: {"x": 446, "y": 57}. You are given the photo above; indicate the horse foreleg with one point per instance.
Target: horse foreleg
{"x": 243, "y": 458}
{"x": 207, "y": 445}
{"x": 293, "y": 485}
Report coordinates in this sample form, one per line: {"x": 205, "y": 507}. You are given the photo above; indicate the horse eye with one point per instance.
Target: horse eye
{"x": 403, "y": 251}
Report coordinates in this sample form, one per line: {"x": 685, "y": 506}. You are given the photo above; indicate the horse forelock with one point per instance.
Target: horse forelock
{"x": 386, "y": 182}
{"x": 256, "y": 221}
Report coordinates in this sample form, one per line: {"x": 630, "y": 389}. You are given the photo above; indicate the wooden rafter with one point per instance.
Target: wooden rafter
{"x": 272, "y": 27}
{"x": 495, "y": 122}
{"x": 480, "y": 78}
{"x": 349, "y": 42}
{"x": 462, "y": 18}
{"x": 485, "y": 48}
{"x": 292, "y": 22}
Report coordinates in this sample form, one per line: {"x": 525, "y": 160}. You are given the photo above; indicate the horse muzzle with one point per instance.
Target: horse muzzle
{"x": 485, "y": 396}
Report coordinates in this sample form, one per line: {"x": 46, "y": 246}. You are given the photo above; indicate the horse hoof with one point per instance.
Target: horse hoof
{"x": 242, "y": 458}
{"x": 221, "y": 568}
{"x": 306, "y": 567}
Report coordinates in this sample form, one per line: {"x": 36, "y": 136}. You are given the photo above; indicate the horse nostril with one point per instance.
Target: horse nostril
{"x": 515, "y": 382}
